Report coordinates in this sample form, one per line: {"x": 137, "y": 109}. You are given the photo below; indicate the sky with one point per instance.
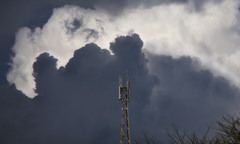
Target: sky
{"x": 60, "y": 61}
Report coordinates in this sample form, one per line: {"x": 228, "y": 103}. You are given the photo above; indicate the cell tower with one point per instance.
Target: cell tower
{"x": 124, "y": 97}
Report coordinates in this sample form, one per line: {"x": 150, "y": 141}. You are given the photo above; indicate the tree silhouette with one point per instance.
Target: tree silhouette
{"x": 226, "y": 131}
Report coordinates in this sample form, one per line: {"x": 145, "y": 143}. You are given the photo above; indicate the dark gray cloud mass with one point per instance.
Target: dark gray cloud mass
{"x": 16, "y": 116}
{"x": 188, "y": 97}
{"x": 79, "y": 103}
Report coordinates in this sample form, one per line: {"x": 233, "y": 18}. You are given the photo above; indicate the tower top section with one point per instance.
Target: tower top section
{"x": 124, "y": 89}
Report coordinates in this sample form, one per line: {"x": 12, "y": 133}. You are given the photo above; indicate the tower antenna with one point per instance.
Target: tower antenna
{"x": 124, "y": 97}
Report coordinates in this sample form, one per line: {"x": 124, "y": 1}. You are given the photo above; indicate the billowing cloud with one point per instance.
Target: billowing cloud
{"x": 79, "y": 103}
{"x": 211, "y": 35}
{"x": 183, "y": 71}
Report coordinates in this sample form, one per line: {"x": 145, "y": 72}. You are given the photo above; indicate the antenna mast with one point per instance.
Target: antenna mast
{"x": 124, "y": 97}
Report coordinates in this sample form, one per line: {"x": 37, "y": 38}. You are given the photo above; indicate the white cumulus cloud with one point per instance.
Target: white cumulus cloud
{"x": 212, "y": 35}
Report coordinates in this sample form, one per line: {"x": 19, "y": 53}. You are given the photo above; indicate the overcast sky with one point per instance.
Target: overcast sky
{"x": 60, "y": 61}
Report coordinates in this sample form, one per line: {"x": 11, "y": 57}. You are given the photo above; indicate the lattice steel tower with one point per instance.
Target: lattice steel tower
{"x": 124, "y": 97}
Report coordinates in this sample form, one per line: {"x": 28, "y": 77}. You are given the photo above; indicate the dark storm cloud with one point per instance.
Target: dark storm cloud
{"x": 79, "y": 103}
{"x": 16, "y": 117}
{"x": 82, "y": 97}
{"x": 188, "y": 97}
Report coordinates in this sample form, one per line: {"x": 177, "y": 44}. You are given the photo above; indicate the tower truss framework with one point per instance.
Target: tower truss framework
{"x": 124, "y": 97}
